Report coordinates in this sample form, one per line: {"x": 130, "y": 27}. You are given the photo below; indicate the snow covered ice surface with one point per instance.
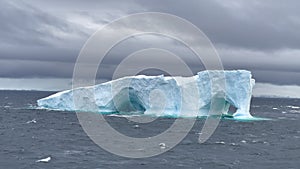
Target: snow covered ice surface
{"x": 161, "y": 95}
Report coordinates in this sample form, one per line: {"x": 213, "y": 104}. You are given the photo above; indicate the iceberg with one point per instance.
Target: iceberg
{"x": 161, "y": 95}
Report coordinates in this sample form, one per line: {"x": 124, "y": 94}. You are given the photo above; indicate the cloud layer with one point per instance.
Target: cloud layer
{"x": 42, "y": 39}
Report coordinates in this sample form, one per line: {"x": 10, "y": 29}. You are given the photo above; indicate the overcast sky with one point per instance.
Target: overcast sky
{"x": 42, "y": 39}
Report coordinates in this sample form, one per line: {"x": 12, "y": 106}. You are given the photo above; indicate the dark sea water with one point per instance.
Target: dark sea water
{"x": 27, "y": 135}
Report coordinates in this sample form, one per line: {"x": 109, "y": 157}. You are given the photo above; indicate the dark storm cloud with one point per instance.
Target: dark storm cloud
{"x": 22, "y": 24}
{"x": 43, "y": 38}
{"x": 240, "y": 23}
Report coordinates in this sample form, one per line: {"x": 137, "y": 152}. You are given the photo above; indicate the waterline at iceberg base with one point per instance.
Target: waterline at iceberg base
{"x": 162, "y": 95}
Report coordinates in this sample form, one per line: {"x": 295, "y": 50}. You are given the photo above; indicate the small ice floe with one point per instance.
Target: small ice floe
{"x": 243, "y": 141}
{"x": 220, "y": 142}
{"x": 275, "y": 108}
{"x": 265, "y": 142}
{"x": 136, "y": 126}
{"x": 44, "y": 160}
{"x": 31, "y": 121}
{"x": 198, "y": 133}
{"x": 293, "y": 107}
{"x": 162, "y": 145}
{"x": 284, "y": 112}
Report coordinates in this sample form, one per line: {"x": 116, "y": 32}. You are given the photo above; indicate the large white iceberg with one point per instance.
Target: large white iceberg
{"x": 161, "y": 95}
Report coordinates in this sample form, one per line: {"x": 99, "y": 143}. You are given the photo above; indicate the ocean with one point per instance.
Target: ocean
{"x": 29, "y": 134}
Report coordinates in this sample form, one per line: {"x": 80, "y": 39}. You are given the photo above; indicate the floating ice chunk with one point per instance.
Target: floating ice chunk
{"x": 220, "y": 142}
{"x": 118, "y": 96}
{"x": 244, "y": 141}
{"x": 44, "y": 160}
{"x": 31, "y": 121}
{"x": 162, "y": 145}
{"x": 136, "y": 126}
{"x": 293, "y": 107}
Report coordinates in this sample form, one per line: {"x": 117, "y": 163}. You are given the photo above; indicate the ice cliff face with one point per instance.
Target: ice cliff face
{"x": 159, "y": 95}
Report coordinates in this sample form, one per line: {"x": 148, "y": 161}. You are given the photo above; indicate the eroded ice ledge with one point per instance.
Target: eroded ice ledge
{"x": 160, "y": 95}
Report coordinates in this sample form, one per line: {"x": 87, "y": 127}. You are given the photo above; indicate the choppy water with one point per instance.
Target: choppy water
{"x": 28, "y": 135}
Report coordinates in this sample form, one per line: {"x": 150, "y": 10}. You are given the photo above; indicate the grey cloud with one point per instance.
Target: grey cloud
{"x": 246, "y": 24}
{"x": 43, "y": 38}
{"x": 25, "y": 25}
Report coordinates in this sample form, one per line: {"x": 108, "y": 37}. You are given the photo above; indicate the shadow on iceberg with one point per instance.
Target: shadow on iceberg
{"x": 126, "y": 101}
